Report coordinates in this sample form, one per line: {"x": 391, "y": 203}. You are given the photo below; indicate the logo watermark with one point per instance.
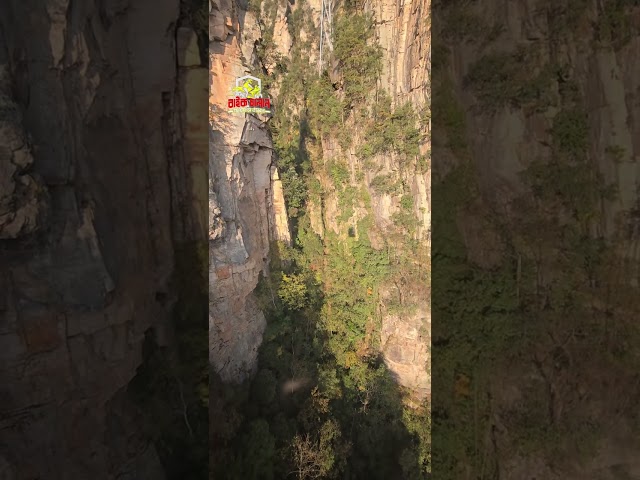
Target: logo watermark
{"x": 248, "y": 97}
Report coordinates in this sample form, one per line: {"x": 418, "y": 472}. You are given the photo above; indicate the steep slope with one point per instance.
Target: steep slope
{"x": 88, "y": 220}
{"x": 406, "y": 75}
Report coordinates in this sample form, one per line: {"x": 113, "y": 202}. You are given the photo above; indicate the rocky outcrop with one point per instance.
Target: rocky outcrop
{"x": 22, "y": 198}
{"x": 92, "y": 130}
{"x": 404, "y": 33}
{"x": 246, "y": 202}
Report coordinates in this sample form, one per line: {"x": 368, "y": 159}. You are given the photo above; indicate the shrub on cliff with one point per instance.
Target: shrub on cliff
{"x": 324, "y": 107}
{"x": 360, "y": 60}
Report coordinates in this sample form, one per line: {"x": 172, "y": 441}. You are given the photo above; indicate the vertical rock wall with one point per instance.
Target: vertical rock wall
{"x": 579, "y": 54}
{"x": 246, "y": 204}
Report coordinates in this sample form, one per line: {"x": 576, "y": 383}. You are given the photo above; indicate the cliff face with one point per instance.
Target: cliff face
{"x": 246, "y": 203}
{"x": 542, "y": 113}
{"x": 581, "y": 54}
{"x": 88, "y": 218}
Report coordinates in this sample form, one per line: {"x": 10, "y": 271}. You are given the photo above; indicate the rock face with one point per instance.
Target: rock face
{"x": 22, "y": 202}
{"x": 603, "y": 76}
{"x": 246, "y": 202}
{"x": 404, "y": 33}
{"x": 90, "y": 123}
{"x": 403, "y": 30}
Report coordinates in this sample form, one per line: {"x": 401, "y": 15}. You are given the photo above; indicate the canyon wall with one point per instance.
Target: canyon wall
{"x": 97, "y": 121}
{"x": 403, "y": 30}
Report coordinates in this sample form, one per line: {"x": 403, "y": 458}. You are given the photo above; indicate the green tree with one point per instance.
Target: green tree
{"x": 259, "y": 452}
{"x": 293, "y": 292}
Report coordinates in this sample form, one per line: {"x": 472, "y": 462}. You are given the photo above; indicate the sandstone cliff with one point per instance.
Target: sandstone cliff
{"x": 95, "y": 101}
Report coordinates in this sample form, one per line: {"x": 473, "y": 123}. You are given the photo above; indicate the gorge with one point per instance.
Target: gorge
{"x": 319, "y": 240}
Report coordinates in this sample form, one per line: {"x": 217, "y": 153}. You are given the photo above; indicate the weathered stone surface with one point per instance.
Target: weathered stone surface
{"x": 23, "y": 200}
{"x": 404, "y": 32}
{"x": 405, "y": 345}
{"x": 503, "y": 144}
